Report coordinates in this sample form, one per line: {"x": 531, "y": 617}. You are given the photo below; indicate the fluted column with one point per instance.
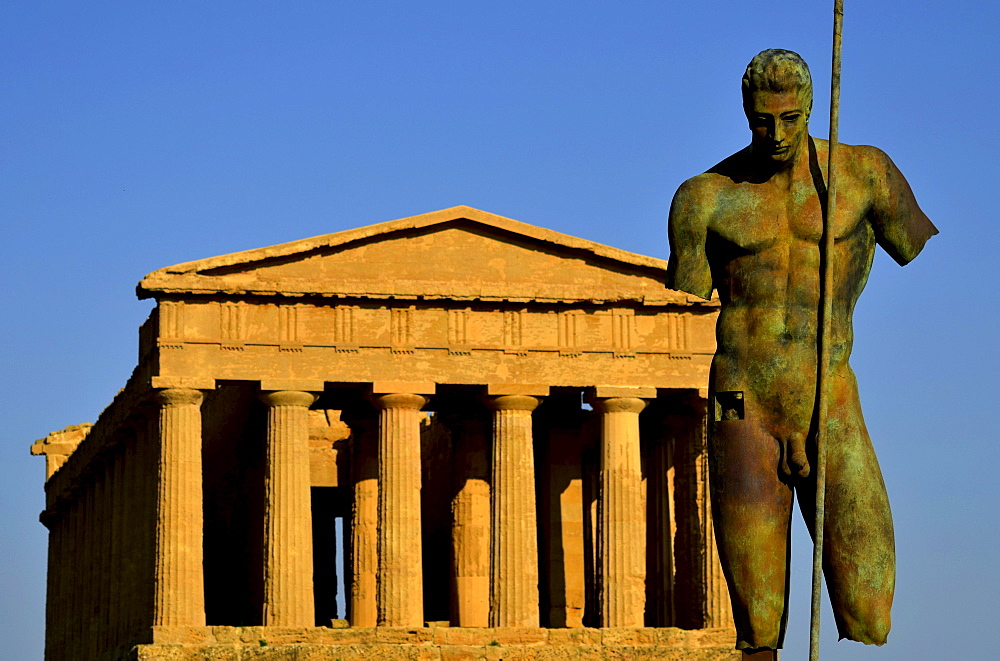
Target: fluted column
{"x": 400, "y": 577}
{"x": 364, "y": 523}
{"x": 470, "y": 509}
{"x": 288, "y": 563}
{"x": 514, "y": 540}
{"x": 179, "y": 582}
{"x": 621, "y": 514}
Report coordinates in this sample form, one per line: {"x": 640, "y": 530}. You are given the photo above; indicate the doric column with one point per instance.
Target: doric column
{"x": 514, "y": 537}
{"x": 470, "y": 509}
{"x": 622, "y": 511}
{"x": 288, "y": 563}
{"x": 364, "y": 522}
{"x": 179, "y": 582}
{"x": 701, "y": 595}
{"x": 400, "y": 575}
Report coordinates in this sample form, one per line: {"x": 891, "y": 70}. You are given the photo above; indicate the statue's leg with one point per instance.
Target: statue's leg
{"x": 751, "y": 508}
{"x": 859, "y": 560}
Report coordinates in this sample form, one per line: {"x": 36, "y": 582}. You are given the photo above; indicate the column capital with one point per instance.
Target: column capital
{"x": 400, "y": 400}
{"x": 179, "y": 396}
{"x": 513, "y": 402}
{"x": 618, "y": 404}
{"x": 288, "y": 398}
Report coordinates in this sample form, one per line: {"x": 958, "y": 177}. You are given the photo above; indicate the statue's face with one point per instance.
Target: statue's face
{"x": 779, "y": 122}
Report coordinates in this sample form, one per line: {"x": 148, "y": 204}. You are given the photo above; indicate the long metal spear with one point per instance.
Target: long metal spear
{"x": 826, "y": 295}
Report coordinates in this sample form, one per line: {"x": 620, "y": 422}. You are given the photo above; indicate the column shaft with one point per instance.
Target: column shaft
{"x": 400, "y": 577}
{"x": 179, "y": 583}
{"x": 288, "y": 562}
{"x": 364, "y": 524}
{"x": 514, "y": 540}
{"x": 622, "y": 515}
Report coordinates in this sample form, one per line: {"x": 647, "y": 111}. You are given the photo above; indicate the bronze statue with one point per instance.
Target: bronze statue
{"x": 751, "y": 227}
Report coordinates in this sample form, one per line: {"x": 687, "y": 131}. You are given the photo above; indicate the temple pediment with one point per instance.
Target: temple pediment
{"x": 459, "y": 253}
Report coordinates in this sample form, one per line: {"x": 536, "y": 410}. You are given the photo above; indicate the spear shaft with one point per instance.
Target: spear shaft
{"x": 823, "y": 371}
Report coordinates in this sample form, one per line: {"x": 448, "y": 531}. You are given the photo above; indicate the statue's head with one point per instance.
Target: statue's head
{"x": 777, "y": 99}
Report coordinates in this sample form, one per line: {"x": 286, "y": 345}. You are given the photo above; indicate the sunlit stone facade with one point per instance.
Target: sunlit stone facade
{"x": 449, "y": 431}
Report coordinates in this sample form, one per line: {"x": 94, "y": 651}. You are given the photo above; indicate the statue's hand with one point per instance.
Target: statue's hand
{"x": 794, "y": 462}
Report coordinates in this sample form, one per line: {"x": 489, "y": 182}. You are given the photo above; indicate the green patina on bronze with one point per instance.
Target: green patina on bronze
{"x": 751, "y": 227}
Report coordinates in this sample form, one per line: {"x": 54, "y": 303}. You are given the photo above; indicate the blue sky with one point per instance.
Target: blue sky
{"x": 139, "y": 135}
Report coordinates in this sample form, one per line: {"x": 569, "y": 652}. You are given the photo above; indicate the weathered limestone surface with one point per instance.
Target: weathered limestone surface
{"x": 514, "y": 547}
{"x": 169, "y": 513}
{"x": 288, "y": 561}
{"x": 364, "y": 538}
{"x": 622, "y": 518}
{"x": 454, "y": 297}
{"x": 437, "y": 644}
{"x": 179, "y": 586}
{"x": 59, "y": 445}
{"x": 400, "y": 575}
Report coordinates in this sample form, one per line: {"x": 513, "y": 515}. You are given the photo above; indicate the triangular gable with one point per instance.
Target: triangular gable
{"x": 459, "y": 253}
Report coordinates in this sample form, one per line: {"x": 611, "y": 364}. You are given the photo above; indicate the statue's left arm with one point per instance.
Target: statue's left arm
{"x": 901, "y": 228}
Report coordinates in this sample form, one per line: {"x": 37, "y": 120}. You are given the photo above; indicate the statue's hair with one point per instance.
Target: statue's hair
{"x": 777, "y": 70}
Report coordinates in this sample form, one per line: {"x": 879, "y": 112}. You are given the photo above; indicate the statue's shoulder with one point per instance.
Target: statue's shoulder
{"x": 860, "y": 161}
{"x": 900, "y": 226}
{"x": 697, "y": 196}
{"x": 699, "y": 185}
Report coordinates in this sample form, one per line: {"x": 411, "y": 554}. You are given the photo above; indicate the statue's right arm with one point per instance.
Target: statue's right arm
{"x": 688, "y": 269}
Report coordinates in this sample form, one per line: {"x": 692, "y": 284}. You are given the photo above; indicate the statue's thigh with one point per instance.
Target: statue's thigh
{"x": 859, "y": 547}
{"x": 751, "y": 508}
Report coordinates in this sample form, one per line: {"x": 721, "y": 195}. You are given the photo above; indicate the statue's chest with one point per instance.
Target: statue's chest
{"x": 755, "y": 218}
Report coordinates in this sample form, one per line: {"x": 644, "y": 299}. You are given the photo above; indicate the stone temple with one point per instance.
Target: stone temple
{"x": 452, "y": 436}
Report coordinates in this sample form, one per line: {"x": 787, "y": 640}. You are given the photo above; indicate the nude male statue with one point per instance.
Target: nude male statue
{"x": 751, "y": 227}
